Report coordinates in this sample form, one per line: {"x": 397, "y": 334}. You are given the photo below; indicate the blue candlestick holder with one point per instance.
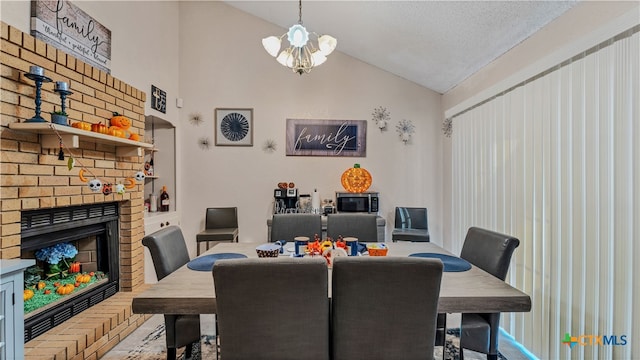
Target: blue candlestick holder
{"x": 39, "y": 79}
{"x": 63, "y": 98}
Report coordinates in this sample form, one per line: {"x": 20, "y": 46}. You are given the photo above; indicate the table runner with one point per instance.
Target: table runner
{"x": 205, "y": 262}
{"x": 451, "y": 263}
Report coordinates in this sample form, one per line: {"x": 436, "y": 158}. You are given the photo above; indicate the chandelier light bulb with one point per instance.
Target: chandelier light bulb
{"x": 326, "y": 44}
{"x": 272, "y": 45}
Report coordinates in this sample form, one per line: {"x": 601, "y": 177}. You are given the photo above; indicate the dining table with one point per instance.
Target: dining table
{"x": 187, "y": 291}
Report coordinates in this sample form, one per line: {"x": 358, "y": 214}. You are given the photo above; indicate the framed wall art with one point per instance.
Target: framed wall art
{"x": 234, "y": 127}
{"x": 326, "y": 137}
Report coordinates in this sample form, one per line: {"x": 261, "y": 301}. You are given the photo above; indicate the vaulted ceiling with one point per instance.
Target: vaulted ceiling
{"x": 436, "y": 44}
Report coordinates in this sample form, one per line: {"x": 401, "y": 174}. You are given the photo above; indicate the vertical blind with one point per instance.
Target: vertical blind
{"x": 555, "y": 161}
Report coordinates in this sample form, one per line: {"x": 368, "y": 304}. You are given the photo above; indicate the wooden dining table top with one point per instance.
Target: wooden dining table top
{"x": 187, "y": 291}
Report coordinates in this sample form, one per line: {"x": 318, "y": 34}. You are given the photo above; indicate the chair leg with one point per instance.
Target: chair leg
{"x": 171, "y": 353}
{"x": 492, "y": 356}
{"x": 188, "y": 351}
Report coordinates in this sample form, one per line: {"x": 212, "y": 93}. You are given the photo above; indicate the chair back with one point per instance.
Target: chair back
{"x": 374, "y": 296}
{"x": 272, "y": 308}
{"x": 221, "y": 217}
{"x": 168, "y": 250}
{"x": 489, "y": 250}
{"x": 362, "y": 226}
{"x": 411, "y": 218}
{"x": 288, "y": 226}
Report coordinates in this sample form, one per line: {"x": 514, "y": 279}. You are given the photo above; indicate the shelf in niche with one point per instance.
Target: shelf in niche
{"x": 151, "y": 177}
{"x": 71, "y": 137}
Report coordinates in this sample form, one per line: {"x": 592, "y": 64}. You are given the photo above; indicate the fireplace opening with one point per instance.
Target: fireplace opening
{"x": 88, "y": 232}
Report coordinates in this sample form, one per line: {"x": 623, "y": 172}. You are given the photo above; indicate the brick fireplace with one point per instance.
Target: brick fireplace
{"x": 32, "y": 177}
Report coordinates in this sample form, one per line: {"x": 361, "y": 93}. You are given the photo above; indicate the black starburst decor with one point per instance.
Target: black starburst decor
{"x": 204, "y": 143}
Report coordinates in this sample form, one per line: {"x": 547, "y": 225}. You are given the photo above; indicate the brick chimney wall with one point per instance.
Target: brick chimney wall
{"x": 32, "y": 177}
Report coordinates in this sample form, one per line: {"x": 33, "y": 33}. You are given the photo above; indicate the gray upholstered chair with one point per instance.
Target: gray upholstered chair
{"x": 374, "y": 296}
{"x": 410, "y": 224}
{"x": 362, "y": 226}
{"x": 272, "y": 308}
{"x": 221, "y": 225}
{"x": 169, "y": 253}
{"x": 491, "y": 252}
{"x": 288, "y": 226}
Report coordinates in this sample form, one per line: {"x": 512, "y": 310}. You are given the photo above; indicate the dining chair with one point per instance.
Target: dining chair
{"x": 221, "y": 225}
{"x": 491, "y": 252}
{"x": 272, "y": 308}
{"x": 169, "y": 253}
{"x": 362, "y": 226}
{"x": 376, "y": 296}
{"x": 288, "y": 226}
{"x": 410, "y": 225}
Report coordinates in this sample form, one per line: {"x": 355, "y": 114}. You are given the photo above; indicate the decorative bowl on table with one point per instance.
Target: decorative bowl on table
{"x": 268, "y": 250}
{"x": 377, "y": 249}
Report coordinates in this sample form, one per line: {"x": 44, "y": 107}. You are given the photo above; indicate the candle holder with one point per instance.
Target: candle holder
{"x": 39, "y": 79}
{"x": 63, "y": 97}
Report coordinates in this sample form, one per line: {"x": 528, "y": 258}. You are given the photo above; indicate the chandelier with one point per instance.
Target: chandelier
{"x": 301, "y": 56}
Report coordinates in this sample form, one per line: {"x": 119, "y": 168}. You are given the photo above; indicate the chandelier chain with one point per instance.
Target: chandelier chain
{"x": 300, "y": 12}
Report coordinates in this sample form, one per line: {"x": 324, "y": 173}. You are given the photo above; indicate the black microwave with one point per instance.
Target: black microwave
{"x": 366, "y": 202}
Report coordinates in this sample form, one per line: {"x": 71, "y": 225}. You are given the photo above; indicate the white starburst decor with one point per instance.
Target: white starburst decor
{"x": 447, "y": 127}
{"x": 405, "y": 129}
{"x": 381, "y": 116}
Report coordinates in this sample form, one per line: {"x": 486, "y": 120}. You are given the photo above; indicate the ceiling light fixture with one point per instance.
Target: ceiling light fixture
{"x": 301, "y": 56}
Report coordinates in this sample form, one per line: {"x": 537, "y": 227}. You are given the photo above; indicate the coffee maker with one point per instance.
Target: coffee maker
{"x": 285, "y": 201}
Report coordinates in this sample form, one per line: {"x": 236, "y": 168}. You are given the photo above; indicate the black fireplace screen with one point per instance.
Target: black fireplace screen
{"x": 91, "y": 232}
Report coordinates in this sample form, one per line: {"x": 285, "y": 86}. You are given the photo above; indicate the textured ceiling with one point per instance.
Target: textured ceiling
{"x": 436, "y": 44}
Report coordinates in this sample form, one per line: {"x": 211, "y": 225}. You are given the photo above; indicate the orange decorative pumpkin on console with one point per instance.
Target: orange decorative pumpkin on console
{"x": 356, "y": 179}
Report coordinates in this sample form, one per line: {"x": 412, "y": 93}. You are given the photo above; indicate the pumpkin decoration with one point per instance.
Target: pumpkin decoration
{"x": 134, "y": 137}
{"x": 356, "y": 179}
{"x": 120, "y": 121}
{"x": 41, "y": 285}
{"x": 65, "y": 289}
{"x": 100, "y": 128}
{"x": 116, "y": 131}
{"x": 83, "y": 278}
{"x": 81, "y": 125}
{"x": 28, "y": 294}
{"x": 74, "y": 268}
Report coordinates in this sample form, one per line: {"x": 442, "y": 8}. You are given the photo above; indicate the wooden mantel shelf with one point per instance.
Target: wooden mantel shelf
{"x": 71, "y": 138}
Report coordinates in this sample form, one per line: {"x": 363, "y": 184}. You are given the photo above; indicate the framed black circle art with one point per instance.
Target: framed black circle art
{"x": 234, "y": 127}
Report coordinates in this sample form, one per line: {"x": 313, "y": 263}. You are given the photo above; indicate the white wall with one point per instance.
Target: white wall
{"x": 225, "y": 66}
{"x": 210, "y": 54}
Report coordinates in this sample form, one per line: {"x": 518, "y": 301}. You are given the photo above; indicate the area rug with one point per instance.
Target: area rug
{"x": 152, "y": 347}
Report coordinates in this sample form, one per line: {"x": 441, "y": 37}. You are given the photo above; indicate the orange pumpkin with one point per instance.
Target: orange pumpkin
{"x": 356, "y": 179}
{"x": 83, "y": 278}
{"x": 120, "y": 121}
{"x": 134, "y": 137}
{"x": 74, "y": 268}
{"x": 65, "y": 289}
{"x": 28, "y": 294}
{"x": 116, "y": 131}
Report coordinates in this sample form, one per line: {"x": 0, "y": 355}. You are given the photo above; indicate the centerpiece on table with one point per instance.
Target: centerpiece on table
{"x": 327, "y": 248}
